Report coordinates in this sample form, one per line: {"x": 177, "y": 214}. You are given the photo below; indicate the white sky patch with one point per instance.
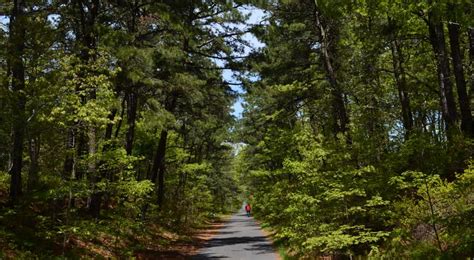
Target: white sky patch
{"x": 237, "y": 147}
{"x": 4, "y": 21}
{"x": 54, "y": 19}
{"x": 256, "y": 17}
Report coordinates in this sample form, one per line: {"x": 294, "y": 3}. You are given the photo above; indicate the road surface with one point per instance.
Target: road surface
{"x": 240, "y": 238}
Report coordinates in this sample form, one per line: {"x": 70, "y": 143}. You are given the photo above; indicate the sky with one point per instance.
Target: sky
{"x": 256, "y": 16}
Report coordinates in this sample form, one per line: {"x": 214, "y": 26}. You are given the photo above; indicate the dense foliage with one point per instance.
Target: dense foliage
{"x": 359, "y": 128}
{"x": 114, "y": 119}
{"x": 356, "y": 139}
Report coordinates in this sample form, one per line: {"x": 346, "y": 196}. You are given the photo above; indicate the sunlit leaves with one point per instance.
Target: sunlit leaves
{"x": 75, "y": 85}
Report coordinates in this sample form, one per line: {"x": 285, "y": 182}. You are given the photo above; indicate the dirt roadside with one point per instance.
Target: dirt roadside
{"x": 186, "y": 248}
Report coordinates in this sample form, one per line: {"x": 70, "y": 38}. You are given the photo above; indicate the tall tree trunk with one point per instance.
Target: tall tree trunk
{"x": 470, "y": 33}
{"x": 76, "y": 139}
{"x": 88, "y": 14}
{"x": 131, "y": 118}
{"x": 327, "y": 51}
{"x": 110, "y": 125}
{"x": 157, "y": 170}
{"x": 17, "y": 49}
{"x": 95, "y": 177}
{"x": 466, "y": 117}
{"x": 69, "y": 161}
{"x": 161, "y": 185}
{"x": 132, "y": 91}
{"x": 105, "y": 173}
{"x": 437, "y": 39}
{"x": 471, "y": 63}
{"x": 400, "y": 79}
{"x": 119, "y": 124}
{"x": 79, "y": 170}
{"x": 34, "y": 150}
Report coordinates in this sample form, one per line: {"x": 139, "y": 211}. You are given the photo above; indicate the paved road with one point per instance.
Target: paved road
{"x": 240, "y": 238}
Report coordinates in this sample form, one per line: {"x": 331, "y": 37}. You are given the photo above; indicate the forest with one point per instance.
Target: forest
{"x": 119, "y": 126}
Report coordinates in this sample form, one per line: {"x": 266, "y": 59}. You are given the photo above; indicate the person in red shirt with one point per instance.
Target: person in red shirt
{"x": 248, "y": 209}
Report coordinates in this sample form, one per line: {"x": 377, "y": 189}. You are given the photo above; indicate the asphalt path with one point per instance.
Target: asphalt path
{"x": 240, "y": 238}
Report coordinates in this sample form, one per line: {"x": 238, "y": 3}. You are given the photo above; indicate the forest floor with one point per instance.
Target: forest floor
{"x": 187, "y": 246}
{"x": 156, "y": 243}
{"x": 23, "y": 235}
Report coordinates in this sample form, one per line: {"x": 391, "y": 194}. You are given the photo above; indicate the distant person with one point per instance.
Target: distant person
{"x": 248, "y": 209}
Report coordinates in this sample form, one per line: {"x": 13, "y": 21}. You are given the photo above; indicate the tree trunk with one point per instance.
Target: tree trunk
{"x": 400, "y": 79}
{"x": 161, "y": 185}
{"x": 131, "y": 118}
{"x": 119, "y": 124}
{"x": 34, "y": 150}
{"x": 69, "y": 162}
{"x": 466, "y": 117}
{"x": 132, "y": 95}
{"x": 471, "y": 64}
{"x": 89, "y": 45}
{"x": 437, "y": 39}
{"x": 157, "y": 170}
{"x": 103, "y": 171}
{"x": 94, "y": 176}
{"x": 327, "y": 51}
{"x": 17, "y": 49}
{"x": 110, "y": 125}
{"x": 79, "y": 170}
{"x": 471, "y": 44}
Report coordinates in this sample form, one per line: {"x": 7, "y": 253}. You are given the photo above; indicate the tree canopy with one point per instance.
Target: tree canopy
{"x": 356, "y": 137}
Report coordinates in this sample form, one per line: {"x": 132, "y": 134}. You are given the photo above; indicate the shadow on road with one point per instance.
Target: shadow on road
{"x": 235, "y": 240}
{"x": 226, "y": 232}
{"x": 205, "y": 256}
{"x": 264, "y": 248}
{"x": 240, "y": 238}
{"x": 259, "y": 245}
